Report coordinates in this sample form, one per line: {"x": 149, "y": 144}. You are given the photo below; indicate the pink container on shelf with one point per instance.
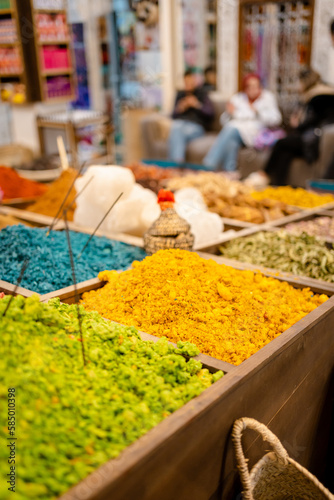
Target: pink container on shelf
{"x": 58, "y": 86}
{"x": 54, "y": 57}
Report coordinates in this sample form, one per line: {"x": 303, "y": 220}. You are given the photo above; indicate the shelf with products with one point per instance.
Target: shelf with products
{"x": 54, "y": 60}
{"x": 51, "y": 26}
{"x": 49, "y": 50}
{"x": 51, "y": 11}
{"x": 58, "y": 86}
{"x": 8, "y": 44}
{"x": 57, "y": 72}
{"x": 11, "y": 74}
{"x": 53, "y": 42}
{"x": 12, "y": 70}
{"x": 48, "y": 5}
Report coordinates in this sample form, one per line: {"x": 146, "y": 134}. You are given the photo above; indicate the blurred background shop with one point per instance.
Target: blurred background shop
{"x": 127, "y": 58}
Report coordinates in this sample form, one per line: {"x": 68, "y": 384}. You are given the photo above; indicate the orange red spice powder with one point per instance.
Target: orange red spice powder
{"x": 14, "y": 186}
{"x": 228, "y": 314}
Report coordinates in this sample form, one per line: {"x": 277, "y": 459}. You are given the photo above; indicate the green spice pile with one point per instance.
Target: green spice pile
{"x": 72, "y": 419}
{"x": 303, "y": 255}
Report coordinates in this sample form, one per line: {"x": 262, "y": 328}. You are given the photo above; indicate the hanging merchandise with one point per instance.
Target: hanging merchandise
{"x": 276, "y": 44}
{"x": 83, "y": 98}
{"x": 147, "y": 11}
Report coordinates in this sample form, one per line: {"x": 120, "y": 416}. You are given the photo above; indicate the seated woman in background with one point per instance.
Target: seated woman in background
{"x": 192, "y": 116}
{"x": 248, "y": 113}
{"x": 303, "y": 141}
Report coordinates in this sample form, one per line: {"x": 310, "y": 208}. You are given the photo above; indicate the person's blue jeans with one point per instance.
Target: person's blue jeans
{"x": 182, "y": 132}
{"x": 224, "y": 151}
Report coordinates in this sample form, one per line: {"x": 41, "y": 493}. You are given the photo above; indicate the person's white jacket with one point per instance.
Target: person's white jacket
{"x": 250, "y": 120}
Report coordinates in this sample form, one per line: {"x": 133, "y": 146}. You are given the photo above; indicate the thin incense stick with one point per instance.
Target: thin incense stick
{"x": 99, "y": 224}
{"x": 23, "y": 270}
{"x": 75, "y": 286}
{"x": 64, "y": 200}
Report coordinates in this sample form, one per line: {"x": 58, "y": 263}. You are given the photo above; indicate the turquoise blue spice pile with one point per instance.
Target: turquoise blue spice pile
{"x": 49, "y": 266}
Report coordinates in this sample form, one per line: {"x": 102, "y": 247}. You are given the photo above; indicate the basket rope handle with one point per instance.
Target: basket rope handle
{"x": 241, "y": 425}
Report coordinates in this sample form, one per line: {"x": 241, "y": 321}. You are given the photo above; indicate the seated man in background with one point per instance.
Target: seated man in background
{"x": 210, "y": 79}
{"x": 247, "y": 114}
{"x": 192, "y": 116}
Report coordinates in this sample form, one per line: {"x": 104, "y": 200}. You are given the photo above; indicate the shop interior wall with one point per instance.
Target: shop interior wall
{"x": 23, "y": 129}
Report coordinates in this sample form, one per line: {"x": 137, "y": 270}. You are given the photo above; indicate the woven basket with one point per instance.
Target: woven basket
{"x": 15, "y": 155}
{"x": 169, "y": 224}
{"x": 153, "y": 244}
{"x": 276, "y": 476}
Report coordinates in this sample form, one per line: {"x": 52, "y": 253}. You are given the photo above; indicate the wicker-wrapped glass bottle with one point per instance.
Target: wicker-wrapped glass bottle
{"x": 169, "y": 230}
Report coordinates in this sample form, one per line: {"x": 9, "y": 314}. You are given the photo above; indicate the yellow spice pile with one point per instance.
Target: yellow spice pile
{"x": 228, "y": 314}
{"x": 298, "y": 197}
{"x": 49, "y": 203}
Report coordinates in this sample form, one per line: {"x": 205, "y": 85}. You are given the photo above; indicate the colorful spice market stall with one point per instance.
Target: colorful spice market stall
{"x": 273, "y": 385}
{"x": 137, "y": 389}
{"x": 167, "y": 269}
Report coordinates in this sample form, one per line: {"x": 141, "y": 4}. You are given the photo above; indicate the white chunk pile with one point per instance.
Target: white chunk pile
{"x": 137, "y": 209}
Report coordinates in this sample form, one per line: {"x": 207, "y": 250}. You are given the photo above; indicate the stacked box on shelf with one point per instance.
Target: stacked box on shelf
{"x": 52, "y": 28}
{"x": 274, "y": 385}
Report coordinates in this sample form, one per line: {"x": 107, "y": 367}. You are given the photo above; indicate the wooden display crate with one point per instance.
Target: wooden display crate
{"x": 68, "y": 296}
{"x": 229, "y": 226}
{"x": 299, "y": 212}
{"x": 303, "y": 281}
{"x": 286, "y": 385}
{"x": 10, "y": 289}
{"x": 301, "y": 216}
{"x": 37, "y": 220}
